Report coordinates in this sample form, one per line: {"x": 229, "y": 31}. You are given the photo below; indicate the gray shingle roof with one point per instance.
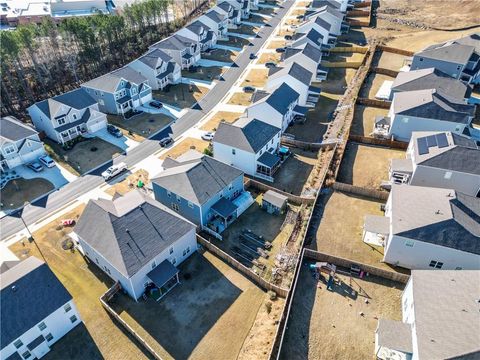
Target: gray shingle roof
{"x": 174, "y": 42}
{"x": 151, "y": 58}
{"x": 251, "y": 138}
{"x": 215, "y": 16}
{"x": 12, "y": 129}
{"x": 322, "y": 3}
{"x": 451, "y": 52}
{"x": 437, "y": 216}
{"x": 77, "y": 99}
{"x": 135, "y": 229}
{"x": 282, "y": 98}
{"x": 395, "y": 335}
{"x": 315, "y": 36}
{"x": 198, "y": 180}
{"x": 109, "y": 82}
{"x": 289, "y": 52}
{"x": 300, "y": 73}
{"x": 323, "y": 23}
{"x": 274, "y": 198}
{"x": 29, "y": 293}
{"x": 197, "y": 27}
{"x": 312, "y": 52}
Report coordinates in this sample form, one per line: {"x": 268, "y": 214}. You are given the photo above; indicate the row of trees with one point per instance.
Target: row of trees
{"x": 40, "y": 61}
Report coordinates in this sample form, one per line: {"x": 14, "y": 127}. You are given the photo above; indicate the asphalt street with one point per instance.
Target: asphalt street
{"x": 11, "y": 224}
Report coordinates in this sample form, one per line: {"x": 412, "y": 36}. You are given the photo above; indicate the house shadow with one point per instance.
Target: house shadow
{"x": 345, "y": 174}
{"x": 358, "y": 126}
{"x": 184, "y": 317}
{"x": 317, "y": 215}
{"x": 356, "y": 36}
{"x": 336, "y": 82}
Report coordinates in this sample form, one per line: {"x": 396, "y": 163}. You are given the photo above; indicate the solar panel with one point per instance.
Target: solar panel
{"x": 442, "y": 140}
{"x": 431, "y": 141}
{"x": 422, "y": 146}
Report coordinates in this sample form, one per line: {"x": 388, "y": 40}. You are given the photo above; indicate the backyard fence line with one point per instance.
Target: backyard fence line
{"x": 257, "y": 279}
{"x": 295, "y": 199}
{"x": 395, "y": 50}
{"x": 361, "y": 191}
{"x": 382, "y": 104}
{"x": 304, "y": 145}
{"x": 393, "y": 144}
{"x": 344, "y": 64}
{"x": 358, "y": 13}
{"x": 383, "y": 71}
{"x": 362, "y": 4}
{"x": 353, "y": 49}
{"x": 347, "y": 263}
{"x": 353, "y": 22}
{"x": 104, "y": 299}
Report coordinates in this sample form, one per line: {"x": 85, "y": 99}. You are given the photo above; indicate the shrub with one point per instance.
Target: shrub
{"x": 208, "y": 152}
{"x": 272, "y": 295}
{"x": 268, "y": 307}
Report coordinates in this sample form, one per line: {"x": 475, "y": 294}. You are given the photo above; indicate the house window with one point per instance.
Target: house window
{"x": 405, "y": 120}
{"x": 436, "y": 264}
{"x": 9, "y": 149}
{"x": 74, "y": 116}
{"x": 49, "y": 337}
{"x": 61, "y": 121}
{"x": 73, "y": 318}
{"x": 169, "y": 194}
{"x": 409, "y": 243}
{"x": 188, "y": 249}
{"x": 190, "y": 205}
{"x": 67, "y": 307}
{"x": 42, "y": 326}
{"x": 174, "y": 261}
{"x": 154, "y": 264}
{"x": 458, "y": 268}
{"x": 230, "y": 186}
{"x": 96, "y": 260}
{"x": 459, "y": 67}
{"x": 233, "y": 151}
{"x": 146, "y": 284}
{"x": 421, "y": 59}
{"x": 171, "y": 250}
{"x": 179, "y": 198}
{"x": 26, "y": 354}
{"x": 448, "y": 175}
{"x": 18, "y": 343}
{"x": 184, "y": 252}
{"x": 175, "y": 207}
{"x": 272, "y": 141}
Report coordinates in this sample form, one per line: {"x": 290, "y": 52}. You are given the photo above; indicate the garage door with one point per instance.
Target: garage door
{"x": 96, "y": 126}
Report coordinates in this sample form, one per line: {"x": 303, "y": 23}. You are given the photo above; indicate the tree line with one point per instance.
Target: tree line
{"x": 41, "y": 61}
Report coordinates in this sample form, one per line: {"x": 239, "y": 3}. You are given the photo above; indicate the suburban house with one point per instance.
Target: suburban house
{"x": 119, "y": 92}
{"x": 159, "y": 68}
{"x": 19, "y": 143}
{"x": 458, "y": 58}
{"x": 242, "y": 6}
{"x": 277, "y": 108}
{"x": 309, "y": 57}
{"x": 440, "y": 159}
{"x": 312, "y": 37}
{"x": 332, "y": 16}
{"x": 251, "y": 147}
{"x": 427, "y": 228}
{"x": 245, "y": 10}
{"x": 321, "y": 27}
{"x": 183, "y": 50}
{"x": 140, "y": 244}
{"x": 65, "y": 117}
{"x": 200, "y": 33}
{"x": 234, "y": 15}
{"x": 217, "y": 21}
{"x": 427, "y": 110}
{"x": 439, "y": 318}
{"x": 204, "y": 190}
{"x": 339, "y": 5}
{"x": 296, "y": 77}
{"x": 36, "y": 310}
{"x": 430, "y": 78}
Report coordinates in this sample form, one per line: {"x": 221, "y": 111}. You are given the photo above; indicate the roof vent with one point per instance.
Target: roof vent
{"x": 438, "y": 212}
{"x": 128, "y": 231}
{"x": 14, "y": 288}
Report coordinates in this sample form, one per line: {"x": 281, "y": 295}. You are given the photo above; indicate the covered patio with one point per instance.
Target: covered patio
{"x": 224, "y": 213}
{"x": 164, "y": 277}
{"x": 376, "y": 229}
{"x": 267, "y": 165}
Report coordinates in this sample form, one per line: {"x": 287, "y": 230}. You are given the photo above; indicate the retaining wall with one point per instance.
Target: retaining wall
{"x": 395, "y": 50}
{"x": 353, "y": 49}
{"x": 380, "y": 142}
{"x": 361, "y": 191}
{"x": 384, "y": 71}
{"x": 382, "y": 104}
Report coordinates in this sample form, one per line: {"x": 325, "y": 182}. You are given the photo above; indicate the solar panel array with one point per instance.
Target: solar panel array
{"x": 426, "y": 142}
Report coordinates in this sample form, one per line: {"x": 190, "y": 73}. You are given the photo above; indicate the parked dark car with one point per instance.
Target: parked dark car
{"x": 114, "y": 131}
{"x": 288, "y": 37}
{"x": 192, "y": 69}
{"x": 249, "y": 89}
{"x": 35, "y": 166}
{"x": 156, "y": 104}
{"x": 166, "y": 141}
{"x": 252, "y": 56}
{"x": 280, "y": 50}
{"x": 270, "y": 64}
{"x": 300, "y": 17}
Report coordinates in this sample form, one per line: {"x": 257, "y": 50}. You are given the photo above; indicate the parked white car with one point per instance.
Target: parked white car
{"x": 114, "y": 170}
{"x": 47, "y": 161}
{"x": 208, "y": 136}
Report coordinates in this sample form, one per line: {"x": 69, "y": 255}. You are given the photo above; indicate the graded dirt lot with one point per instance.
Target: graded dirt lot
{"x": 390, "y": 61}
{"x": 364, "y": 119}
{"x": 276, "y": 44}
{"x": 327, "y": 324}
{"x": 122, "y": 186}
{"x": 207, "y": 73}
{"x": 140, "y": 126}
{"x": 184, "y": 146}
{"x": 256, "y": 77}
{"x": 234, "y": 41}
{"x": 240, "y": 98}
{"x": 18, "y": 191}
{"x": 212, "y": 123}
{"x": 181, "y": 95}
{"x": 220, "y": 55}
{"x": 269, "y": 57}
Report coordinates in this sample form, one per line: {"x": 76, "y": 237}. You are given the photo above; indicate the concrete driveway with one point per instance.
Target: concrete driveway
{"x": 123, "y": 142}
{"x": 56, "y": 175}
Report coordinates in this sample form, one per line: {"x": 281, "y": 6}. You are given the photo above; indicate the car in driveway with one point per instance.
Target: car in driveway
{"x": 249, "y": 89}
{"x": 252, "y": 56}
{"x": 35, "y": 166}
{"x": 288, "y": 37}
{"x": 47, "y": 161}
{"x": 270, "y": 64}
{"x": 208, "y": 136}
{"x": 166, "y": 141}
{"x": 114, "y": 131}
{"x": 156, "y": 104}
{"x": 114, "y": 170}
{"x": 280, "y": 50}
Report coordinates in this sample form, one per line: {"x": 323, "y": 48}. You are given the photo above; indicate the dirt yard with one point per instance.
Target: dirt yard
{"x": 367, "y": 166}
{"x": 326, "y": 324}
{"x": 129, "y": 183}
{"x": 181, "y": 95}
{"x": 246, "y": 30}
{"x": 240, "y": 98}
{"x": 269, "y": 57}
{"x": 101, "y": 337}
{"x": 276, "y": 44}
{"x": 234, "y": 41}
{"x": 207, "y": 73}
{"x": 364, "y": 119}
{"x": 220, "y": 55}
{"x": 346, "y": 57}
{"x": 388, "y": 60}
{"x": 256, "y": 78}
{"x": 215, "y": 305}
{"x": 19, "y": 191}
{"x": 226, "y": 116}
{"x": 184, "y": 146}
{"x": 140, "y": 126}
{"x": 372, "y": 84}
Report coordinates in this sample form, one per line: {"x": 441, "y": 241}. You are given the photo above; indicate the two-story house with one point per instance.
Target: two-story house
{"x": 332, "y": 16}
{"x": 427, "y": 228}
{"x": 321, "y": 27}
{"x": 309, "y": 57}
{"x": 36, "y": 310}
{"x": 277, "y": 108}
{"x": 296, "y": 77}
{"x": 458, "y": 58}
{"x": 159, "y": 68}
{"x": 234, "y": 15}
{"x": 19, "y": 143}
{"x": 202, "y": 189}
{"x": 427, "y": 110}
{"x": 68, "y": 116}
{"x": 183, "y": 50}
{"x": 119, "y": 92}
{"x": 440, "y": 159}
{"x": 140, "y": 244}
{"x": 249, "y": 146}
{"x": 339, "y": 5}
{"x": 217, "y": 21}
{"x": 200, "y": 33}
{"x": 439, "y": 318}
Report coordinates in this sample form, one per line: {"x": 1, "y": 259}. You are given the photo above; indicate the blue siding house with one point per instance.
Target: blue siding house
{"x": 204, "y": 190}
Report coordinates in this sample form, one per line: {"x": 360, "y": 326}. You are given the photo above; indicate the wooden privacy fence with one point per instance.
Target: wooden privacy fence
{"x": 295, "y": 199}
{"x": 395, "y": 50}
{"x": 384, "y": 71}
{"x": 104, "y": 299}
{"x": 343, "y": 64}
{"x": 257, "y": 279}
{"x": 347, "y": 49}
{"x": 347, "y": 263}
{"x": 362, "y": 4}
{"x": 380, "y": 142}
{"x": 358, "y": 13}
{"x": 354, "y": 22}
{"x": 306, "y": 145}
{"x": 382, "y": 104}
{"x": 361, "y": 191}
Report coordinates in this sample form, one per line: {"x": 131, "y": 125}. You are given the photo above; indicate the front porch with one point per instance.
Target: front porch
{"x": 164, "y": 278}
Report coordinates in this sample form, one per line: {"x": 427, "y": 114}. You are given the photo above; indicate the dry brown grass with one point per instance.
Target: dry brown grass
{"x": 269, "y": 57}
{"x": 129, "y": 183}
{"x": 19, "y": 191}
{"x": 140, "y": 126}
{"x": 256, "y": 77}
{"x": 276, "y": 44}
{"x": 364, "y": 119}
{"x": 240, "y": 98}
{"x": 372, "y": 84}
{"x": 184, "y": 146}
{"x": 181, "y": 95}
{"x": 220, "y": 116}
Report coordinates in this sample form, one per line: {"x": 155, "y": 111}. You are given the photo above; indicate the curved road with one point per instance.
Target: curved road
{"x": 11, "y": 224}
